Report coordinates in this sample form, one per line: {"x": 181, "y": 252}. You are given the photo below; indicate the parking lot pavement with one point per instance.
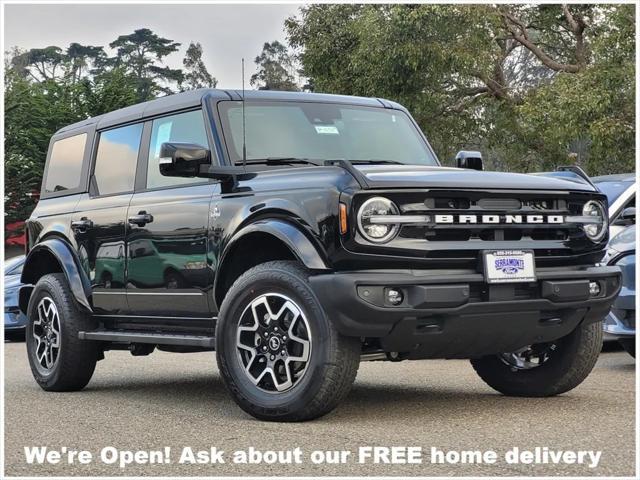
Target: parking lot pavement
{"x": 178, "y": 400}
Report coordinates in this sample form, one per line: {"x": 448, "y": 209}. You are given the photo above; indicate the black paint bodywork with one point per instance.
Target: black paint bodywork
{"x": 170, "y": 271}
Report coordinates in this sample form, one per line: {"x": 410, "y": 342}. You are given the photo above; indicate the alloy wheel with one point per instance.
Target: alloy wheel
{"x": 531, "y": 356}
{"x": 273, "y": 342}
{"x": 46, "y": 333}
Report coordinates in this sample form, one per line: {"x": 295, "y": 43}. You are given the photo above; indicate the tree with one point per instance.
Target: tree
{"x": 80, "y": 58}
{"x": 497, "y": 78}
{"x": 196, "y": 73}
{"x": 140, "y": 54}
{"x": 48, "y": 88}
{"x": 46, "y": 61}
{"x": 275, "y": 68}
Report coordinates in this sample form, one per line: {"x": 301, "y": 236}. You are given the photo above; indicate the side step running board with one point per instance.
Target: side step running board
{"x": 144, "y": 337}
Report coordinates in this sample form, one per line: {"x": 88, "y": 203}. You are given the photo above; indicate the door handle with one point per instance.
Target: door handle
{"x": 141, "y": 219}
{"x": 82, "y": 224}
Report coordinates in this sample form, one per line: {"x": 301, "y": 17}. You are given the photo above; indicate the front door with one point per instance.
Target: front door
{"x": 99, "y": 223}
{"x": 167, "y": 271}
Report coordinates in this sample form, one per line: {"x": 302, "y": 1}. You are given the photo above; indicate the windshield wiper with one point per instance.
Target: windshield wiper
{"x": 375, "y": 162}
{"x": 279, "y": 161}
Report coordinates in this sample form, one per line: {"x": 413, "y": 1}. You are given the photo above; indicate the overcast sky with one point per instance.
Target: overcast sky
{"x": 227, "y": 32}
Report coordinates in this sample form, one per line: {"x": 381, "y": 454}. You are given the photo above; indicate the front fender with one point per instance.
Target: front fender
{"x": 68, "y": 261}
{"x": 288, "y": 234}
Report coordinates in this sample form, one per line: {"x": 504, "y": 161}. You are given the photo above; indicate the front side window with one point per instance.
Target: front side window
{"x": 185, "y": 128}
{"x": 65, "y": 164}
{"x": 116, "y": 159}
{"x": 323, "y": 131}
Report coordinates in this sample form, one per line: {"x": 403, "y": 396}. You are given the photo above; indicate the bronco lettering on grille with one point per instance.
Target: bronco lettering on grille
{"x": 498, "y": 219}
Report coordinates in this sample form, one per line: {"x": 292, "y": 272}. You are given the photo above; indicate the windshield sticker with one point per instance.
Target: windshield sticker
{"x": 327, "y": 129}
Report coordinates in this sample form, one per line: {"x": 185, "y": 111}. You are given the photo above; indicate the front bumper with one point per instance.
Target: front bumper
{"x": 455, "y": 314}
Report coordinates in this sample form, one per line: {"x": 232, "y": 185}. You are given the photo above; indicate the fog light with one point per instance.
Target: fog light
{"x": 594, "y": 289}
{"x": 394, "y": 297}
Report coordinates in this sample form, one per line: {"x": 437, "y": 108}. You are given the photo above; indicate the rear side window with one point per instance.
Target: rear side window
{"x": 116, "y": 159}
{"x": 185, "y": 127}
{"x": 65, "y": 164}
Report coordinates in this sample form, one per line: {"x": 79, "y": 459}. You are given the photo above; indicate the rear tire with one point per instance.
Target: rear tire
{"x": 269, "y": 318}
{"x": 567, "y": 366}
{"x": 629, "y": 344}
{"x": 59, "y": 360}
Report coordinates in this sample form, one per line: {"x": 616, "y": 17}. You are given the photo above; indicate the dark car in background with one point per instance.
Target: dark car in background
{"x": 14, "y": 319}
{"x": 620, "y": 324}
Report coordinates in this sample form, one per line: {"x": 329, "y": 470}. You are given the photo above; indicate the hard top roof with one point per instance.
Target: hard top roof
{"x": 194, "y": 98}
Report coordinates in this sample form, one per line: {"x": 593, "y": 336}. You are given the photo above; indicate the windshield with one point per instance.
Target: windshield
{"x": 613, "y": 189}
{"x": 323, "y": 131}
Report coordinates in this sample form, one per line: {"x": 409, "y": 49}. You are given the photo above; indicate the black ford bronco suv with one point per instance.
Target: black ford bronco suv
{"x": 298, "y": 234}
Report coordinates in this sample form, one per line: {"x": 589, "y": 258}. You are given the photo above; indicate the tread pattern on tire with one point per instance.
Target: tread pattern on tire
{"x": 344, "y": 352}
{"x": 574, "y": 360}
{"x": 78, "y": 357}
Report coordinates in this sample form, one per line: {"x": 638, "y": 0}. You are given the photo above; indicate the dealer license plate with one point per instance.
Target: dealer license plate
{"x": 509, "y": 266}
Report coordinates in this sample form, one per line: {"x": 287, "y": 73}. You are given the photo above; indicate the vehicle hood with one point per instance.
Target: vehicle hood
{"x": 408, "y": 176}
{"x": 625, "y": 241}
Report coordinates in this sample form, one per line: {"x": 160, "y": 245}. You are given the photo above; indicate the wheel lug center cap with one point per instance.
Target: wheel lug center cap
{"x": 274, "y": 343}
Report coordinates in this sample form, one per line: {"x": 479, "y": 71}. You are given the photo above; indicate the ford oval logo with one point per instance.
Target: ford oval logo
{"x": 509, "y": 266}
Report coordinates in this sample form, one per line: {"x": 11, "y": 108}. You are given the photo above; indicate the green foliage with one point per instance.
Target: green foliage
{"x": 197, "y": 75}
{"x": 140, "y": 54}
{"x": 275, "y": 68}
{"x": 533, "y": 87}
{"x": 48, "y": 88}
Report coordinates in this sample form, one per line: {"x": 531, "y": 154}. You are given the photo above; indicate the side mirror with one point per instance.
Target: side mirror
{"x": 627, "y": 217}
{"x": 183, "y": 159}
{"x": 469, "y": 159}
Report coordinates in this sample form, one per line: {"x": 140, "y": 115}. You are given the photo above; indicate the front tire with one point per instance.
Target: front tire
{"x": 550, "y": 370}
{"x": 280, "y": 356}
{"x": 59, "y": 360}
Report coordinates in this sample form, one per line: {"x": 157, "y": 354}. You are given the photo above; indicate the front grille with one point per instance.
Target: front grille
{"x": 479, "y": 204}
{"x": 498, "y": 219}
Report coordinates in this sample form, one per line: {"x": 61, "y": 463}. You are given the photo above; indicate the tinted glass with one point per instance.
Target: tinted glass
{"x": 116, "y": 159}
{"x": 613, "y": 189}
{"x": 65, "y": 164}
{"x": 185, "y": 127}
{"x": 323, "y": 132}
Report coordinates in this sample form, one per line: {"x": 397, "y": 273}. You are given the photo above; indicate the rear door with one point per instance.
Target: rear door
{"x": 167, "y": 271}
{"x": 99, "y": 223}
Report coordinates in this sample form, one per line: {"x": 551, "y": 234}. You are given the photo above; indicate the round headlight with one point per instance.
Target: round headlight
{"x": 377, "y": 232}
{"x": 598, "y": 229}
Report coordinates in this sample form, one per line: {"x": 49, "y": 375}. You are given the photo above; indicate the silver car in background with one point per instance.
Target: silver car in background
{"x": 620, "y": 190}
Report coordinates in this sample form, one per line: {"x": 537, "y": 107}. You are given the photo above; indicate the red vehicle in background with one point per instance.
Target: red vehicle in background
{"x": 15, "y": 238}
{"x": 14, "y": 235}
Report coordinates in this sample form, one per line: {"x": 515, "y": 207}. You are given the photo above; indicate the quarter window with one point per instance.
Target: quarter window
{"x": 116, "y": 159}
{"x": 65, "y": 164}
{"x": 185, "y": 127}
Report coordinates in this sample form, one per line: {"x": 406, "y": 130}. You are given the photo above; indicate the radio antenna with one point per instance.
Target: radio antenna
{"x": 244, "y": 137}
